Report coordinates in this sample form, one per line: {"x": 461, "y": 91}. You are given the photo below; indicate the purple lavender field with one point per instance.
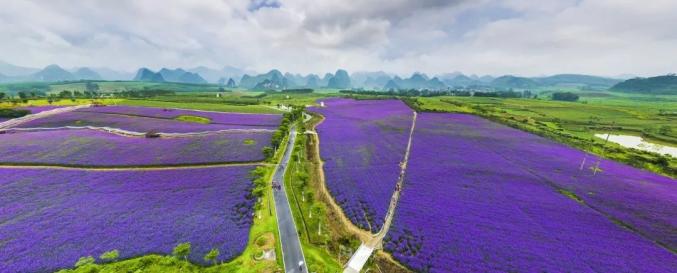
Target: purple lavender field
{"x": 269, "y": 121}
{"x": 362, "y": 143}
{"x": 97, "y": 148}
{"x": 50, "y": 218}
{"x": 481, "y": 197}
{"x": 129, "y": 123}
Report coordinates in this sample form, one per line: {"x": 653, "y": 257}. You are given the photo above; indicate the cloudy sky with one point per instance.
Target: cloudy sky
{"x": 521, "y": 37}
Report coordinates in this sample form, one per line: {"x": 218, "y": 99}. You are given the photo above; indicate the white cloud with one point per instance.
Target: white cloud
{"x": 606, "y": 37}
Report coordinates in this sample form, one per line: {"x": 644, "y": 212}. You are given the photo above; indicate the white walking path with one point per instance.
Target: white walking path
{"x": 14, "y": 122}
{"x": 365, "y": 250}
{"x": 122, "y": 132}
{"x": 358, "y": 259}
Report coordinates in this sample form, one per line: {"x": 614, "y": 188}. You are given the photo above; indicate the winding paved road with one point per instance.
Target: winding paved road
{"x": 292, "y": 253}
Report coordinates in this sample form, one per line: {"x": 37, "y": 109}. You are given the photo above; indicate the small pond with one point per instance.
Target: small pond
{"x": 640, "y": 144}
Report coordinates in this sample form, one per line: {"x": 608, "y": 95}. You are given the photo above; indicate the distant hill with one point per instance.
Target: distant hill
{"x": 181, "y": 76}
{"x": 53, "y": 73}
{"x": 271, "y": 80}
{"x": 416, "y": 81}
{"x": 369, "y": 80}
{"x": 146, "y": 75}
{"x": 577, "y": 80}
{"x": 113, "y": 75}
{"x": 295, "y": 80}
{"x": 340, "y": 80}
{"x": 85, "y": 73}
{"x": 462, "y": 81}
{"x": 215, "y": 75}
{"x": 660, "y": 85}
{"x": 10, "y": 70}
{"x": 231, "y": 83}
{"x": 514, "y": 82}
{"x": 391, "y": 85}
{"x": 313, "y": 81}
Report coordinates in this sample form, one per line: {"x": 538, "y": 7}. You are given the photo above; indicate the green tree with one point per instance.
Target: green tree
{"x": 211, "y": 255}
{"x": 2, "y": 95}
{"x": 110, "y": 255}
{"x": 268, "y": 152}
{"x": 258, "y": 176}
{"x": 182, "y": 250}
{"x": 92, "y": 87}
{"x": 564, "y": 96}
{"x": 84, "y": 261}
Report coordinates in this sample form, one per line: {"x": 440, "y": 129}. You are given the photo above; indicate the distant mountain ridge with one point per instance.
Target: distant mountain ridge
{"x": 271, "y": 80}
{"x": 232, "y": 77}
{"x": 10, "y": 70}
{"x": 660, "y": 85}
{"x": 181, "y": 76}
{"x": 146, "y": 75}
{"x": 85, "y": 73}
{"x": 53, "y": 73}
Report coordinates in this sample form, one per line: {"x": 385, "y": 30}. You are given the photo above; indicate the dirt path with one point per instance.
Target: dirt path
{"x": 360, "y": 233}
{"x": 127, "y": 133}
{"x": 125, "y": 168}
{"x": 16, "y": 121}
{"x": 378, "y": 237}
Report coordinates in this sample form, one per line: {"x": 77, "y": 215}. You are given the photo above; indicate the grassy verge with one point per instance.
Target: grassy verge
{"x": 309, "y": 215}
{"x": 193, "y": 119}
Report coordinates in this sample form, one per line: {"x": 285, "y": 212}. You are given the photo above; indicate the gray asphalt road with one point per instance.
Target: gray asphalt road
{"x": 291, "y": 245}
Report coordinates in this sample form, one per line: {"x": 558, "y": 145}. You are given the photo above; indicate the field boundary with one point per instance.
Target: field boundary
{"x": 6, "y": 165}
{"x": 174, "y": 118}
{"x": 127, "y": 133}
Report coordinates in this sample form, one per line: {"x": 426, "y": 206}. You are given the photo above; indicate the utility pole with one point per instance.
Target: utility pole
{"x": 599, "y": 159}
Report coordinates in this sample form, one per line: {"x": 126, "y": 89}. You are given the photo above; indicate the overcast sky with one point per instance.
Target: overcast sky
{"x": 520, "y": 37}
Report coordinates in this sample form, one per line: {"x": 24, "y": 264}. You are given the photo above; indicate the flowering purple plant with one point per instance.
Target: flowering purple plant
{"x": 362, "y": 143}
{"x": 234, "y": 119}
{"x": 97, "y": 148}
{"x": 483, "y": 197}
{"x": 132, "y": 123}
{"x": 49, "y": 218}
